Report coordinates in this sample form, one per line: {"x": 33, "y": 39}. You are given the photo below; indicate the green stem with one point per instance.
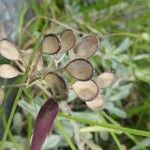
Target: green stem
{"x": 109, "y": 126}
{"x": 11, "y": 117}
{"x": 117, "y": 141}
{"x": 61, "y": 129}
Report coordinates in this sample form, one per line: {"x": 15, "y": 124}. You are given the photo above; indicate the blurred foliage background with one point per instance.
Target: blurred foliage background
{"x": 124, "y": 27}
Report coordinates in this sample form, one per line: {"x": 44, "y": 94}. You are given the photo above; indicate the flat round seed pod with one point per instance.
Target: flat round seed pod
{"x": 80, "y": 69}
{"x": 68, "y": 40}
{"x": 51, "y": 44}
{"x": 105, "y": 80}
{"x": 7, "y": 71}
{"x": 26, "y": 58}
{"x": 58, "y": 86}
{"x": 96, "y": 104}
{"x": 8, "y": 50}
{"x": 87, "y": 46}
{"x": 2, "y": 93}
{"x": 86, "y": 90}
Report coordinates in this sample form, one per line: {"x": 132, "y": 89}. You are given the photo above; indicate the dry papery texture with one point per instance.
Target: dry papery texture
{"x": 80, "y": 69}
{"x": 8, "y": 50}
{"x": 97, "y": 103}
{"x": 7, "y": 71}
{"x": 87, "y": 46}
{"x": 51, "y": 44}
{"x": 105, "y": 79}
{"x": 57, "y": 85}
{"x": 86, "y": 90}
{"x": 68, "y": 40}
{"x": 38, "y": 60}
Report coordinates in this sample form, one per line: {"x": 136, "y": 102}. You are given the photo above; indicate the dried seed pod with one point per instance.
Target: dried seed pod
{"x": 96, "y": 104}
{"x": 51, "y": 44}
{"x": 8, "y": 50}
{"x": 86, "y": 90}
{"x": 105, "y": 80}
{"x": 58, "y": 86}
{"x": 2, "y": 93}
{"x": 80, "y": 69}
{"x": 87, "y": 46}
{"x": 26, "y": 58}
{"x": 68, "y": 40}
{"x": 7, "y": 71}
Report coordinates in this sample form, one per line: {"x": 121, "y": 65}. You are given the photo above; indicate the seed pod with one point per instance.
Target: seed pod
{"x": 7, "y": 71}
{"x": 58, "y": 86}
{"x": 105, "y": 80}
{"x": 8, "y": 50}
{"x": 26, "y": 58}
{"x": 86, "y": 90}
{"x": 87, "y": 46}
{"x": 2, "y": 93}
{"x": 96, "y": 104}
{"x": 68, "y": 40}
{"x": 51, "y": 44}
{"x": 43, "y": 123}
{"x": 80, "y": 69}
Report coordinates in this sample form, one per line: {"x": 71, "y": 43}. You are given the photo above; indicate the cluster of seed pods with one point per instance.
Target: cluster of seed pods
{"x": 86, "y": 86}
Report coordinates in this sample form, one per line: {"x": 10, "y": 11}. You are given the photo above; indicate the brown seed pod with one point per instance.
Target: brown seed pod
{"x": 58, "y": 86}
{"x": 51, "y": 44}
{"x": 80, "y": 69}
{"x": 86, "y": 90}
{"x": 26, "y": 58}
{"x": 8, "y": 50}
{"x": 96, "y": 104}
{"x": 7, "y": 71}
{"x": 105, "y": 80}
{"x": 2, "y": 93}
{"x": 87, "y": 46}
{"x": 68, "y": 40}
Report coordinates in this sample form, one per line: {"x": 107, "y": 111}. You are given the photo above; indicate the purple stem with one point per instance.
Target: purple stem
{"x": 43, "y": 123}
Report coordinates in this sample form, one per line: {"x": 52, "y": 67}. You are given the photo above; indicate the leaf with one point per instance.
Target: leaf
{"x": 52, "y": 142}
{"x": 58, "y": 86}
{"x": 144, "y": 143}
{"x": 86, "y": 90}
{"x": 96, "y": 104}
{"x": 105, "y": 80}
{"x": 2, "y": 94}
{"x": 51, "y": 44}
{"x": 8, "y": 50}
{"x": 43, "y": 123}
{"x": 68, "y": 40}
{"x": 87, "y": 46}
{"x": 7, "y": 71}
{"x": 80, "y": 69}
{"x": 112, "y": 109}
{"x": 124, "y": 46}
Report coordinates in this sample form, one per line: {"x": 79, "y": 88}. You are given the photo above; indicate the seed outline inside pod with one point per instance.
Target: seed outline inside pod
{"x": 83, "y": 60}
{"x": 13, "y": 53}
{"x": 58, "y": 43}
{"x": 7, "y": 71}
{"x": 81, "y": 50}
{"x": 105, "y": 80}
{"x": 62, "y": 87}
{"x": 62, "y": 48}
{"x": 81, "y": 94}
